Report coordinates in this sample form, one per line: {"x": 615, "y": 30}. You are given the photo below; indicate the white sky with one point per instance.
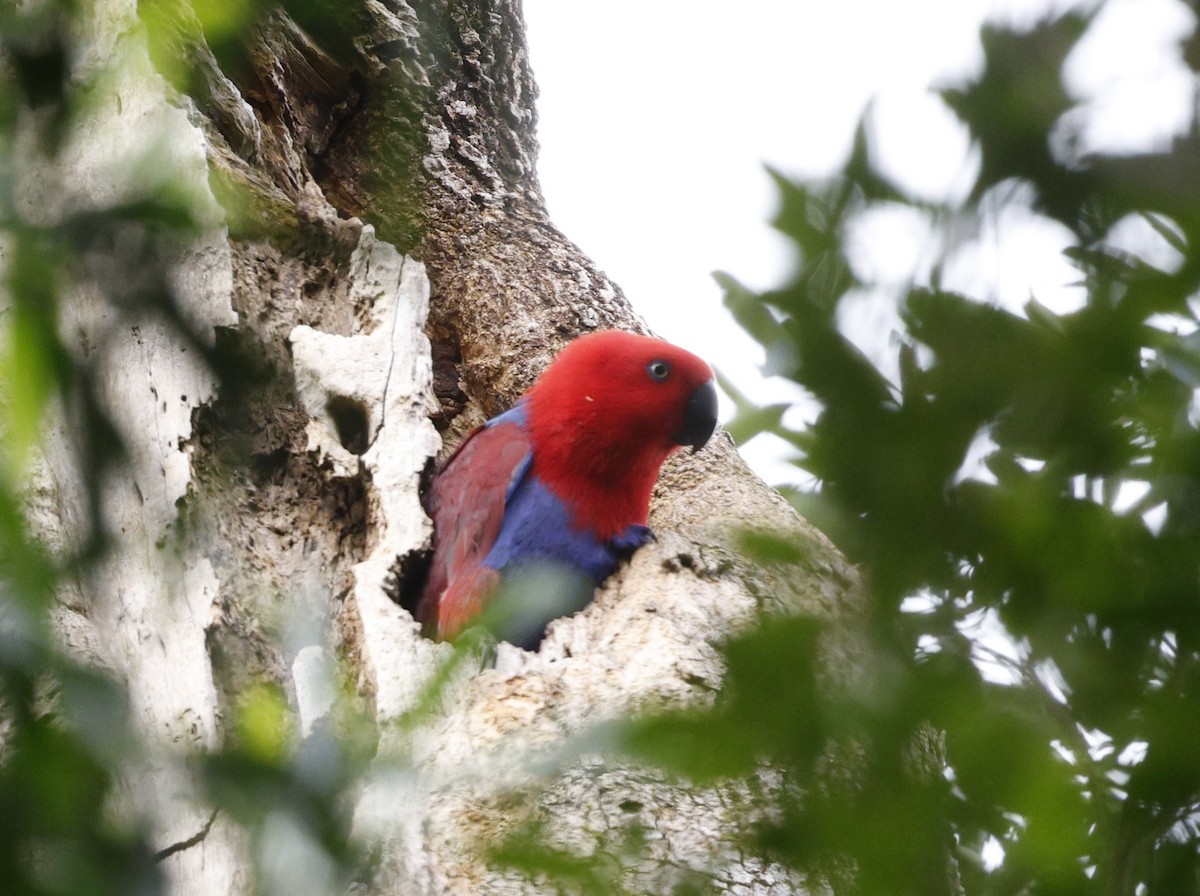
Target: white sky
{"x": 656, "y": 116}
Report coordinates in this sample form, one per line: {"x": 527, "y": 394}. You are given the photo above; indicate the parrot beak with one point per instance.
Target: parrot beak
{"x": 699, "y": 417}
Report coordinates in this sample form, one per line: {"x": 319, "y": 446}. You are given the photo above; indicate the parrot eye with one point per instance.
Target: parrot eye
{"x": 660, "y": 370}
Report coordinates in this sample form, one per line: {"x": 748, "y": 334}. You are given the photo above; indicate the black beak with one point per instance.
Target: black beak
{"x": 699, "y": 417}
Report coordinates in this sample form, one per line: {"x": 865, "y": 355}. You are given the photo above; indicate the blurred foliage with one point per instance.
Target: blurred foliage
{"x": 63, "y": 729}
{"x": 67, "y": 742}
{"x": 1021, "y": 489}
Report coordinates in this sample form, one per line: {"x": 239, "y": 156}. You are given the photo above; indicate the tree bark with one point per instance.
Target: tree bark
{"x": 377, "y": 256}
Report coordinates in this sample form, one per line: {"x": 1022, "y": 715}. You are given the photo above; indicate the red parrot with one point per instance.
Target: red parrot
{"x": 561, "y": 481}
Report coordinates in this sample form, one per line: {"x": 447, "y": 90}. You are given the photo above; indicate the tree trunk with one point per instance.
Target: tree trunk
{"x": 376, "y": 259}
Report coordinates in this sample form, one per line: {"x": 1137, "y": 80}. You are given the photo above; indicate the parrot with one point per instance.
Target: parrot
{"x": 561, "y": 481}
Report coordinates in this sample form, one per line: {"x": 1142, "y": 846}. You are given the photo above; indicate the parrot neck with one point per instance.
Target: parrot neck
{"x": 603, "y": 469}
{"x": 606, "y": 495}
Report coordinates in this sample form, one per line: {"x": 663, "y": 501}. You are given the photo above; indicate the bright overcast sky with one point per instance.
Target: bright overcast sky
{"x": 656, "y": 116}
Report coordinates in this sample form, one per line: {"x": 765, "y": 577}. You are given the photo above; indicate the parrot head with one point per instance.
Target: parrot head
{"x": 605, "y": 415}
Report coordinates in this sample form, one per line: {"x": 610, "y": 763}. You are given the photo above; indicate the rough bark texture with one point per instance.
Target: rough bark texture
{"x": 289, "y": 499}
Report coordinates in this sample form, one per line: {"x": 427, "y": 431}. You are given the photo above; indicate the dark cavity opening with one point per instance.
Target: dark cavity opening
{"x": 350, "y": 419}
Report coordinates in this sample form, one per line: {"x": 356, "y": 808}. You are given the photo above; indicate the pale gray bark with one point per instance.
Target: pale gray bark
{"x": 289, "y": 499}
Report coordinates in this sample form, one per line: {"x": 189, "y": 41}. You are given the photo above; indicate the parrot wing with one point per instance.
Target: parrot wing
{"x": 466, "y": 502}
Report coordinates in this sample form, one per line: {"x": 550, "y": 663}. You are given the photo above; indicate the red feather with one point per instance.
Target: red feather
{"x": 466, "y": 504}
